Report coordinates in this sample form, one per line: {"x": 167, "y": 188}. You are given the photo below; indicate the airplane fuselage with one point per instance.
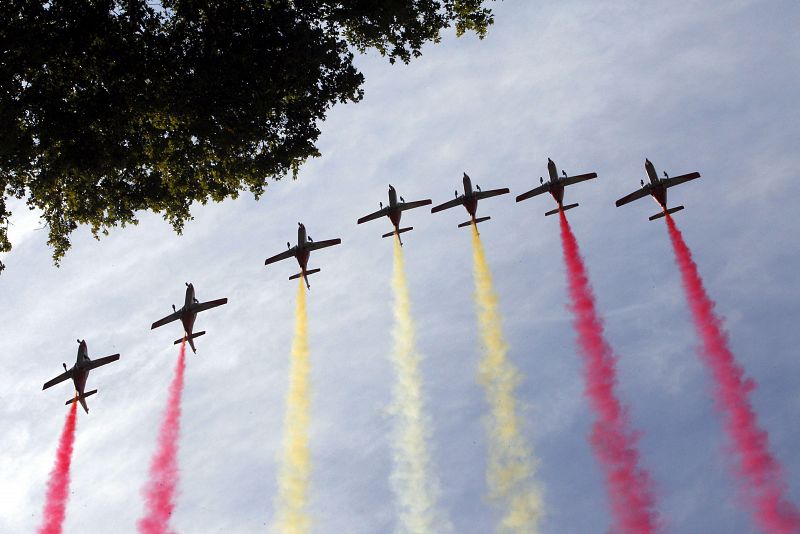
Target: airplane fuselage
{"x": 657, "y": 190}
{"x": 301, "y": 252}
{"x": 80, "y": 375}
{"x": 556, "y": 188}
{"x": 394, "y": 212}
{"x": 469, "y": 200}
{"x": 187, "y": 315}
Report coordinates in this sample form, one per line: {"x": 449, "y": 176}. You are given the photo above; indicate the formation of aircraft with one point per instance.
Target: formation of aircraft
{"x": 187, "y": 314}
{"x": 656, "y": 187}
{"x": 555, "y": 186}
{"x": 79, "y": 373}
{"x": 394, "y": 210}
{"x": 301, "y": 252}
{"x": 470, "y": 200}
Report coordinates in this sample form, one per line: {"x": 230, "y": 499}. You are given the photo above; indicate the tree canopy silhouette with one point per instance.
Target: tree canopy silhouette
{"x": 111, "y": 107}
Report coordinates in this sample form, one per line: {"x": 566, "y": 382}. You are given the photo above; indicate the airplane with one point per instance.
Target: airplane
{"x": 658, "y": 189}
{"x": 187, "y": 314}
{"x": 394, "y": 210}
{"x": 79, "y": 373}
{"x": 301, "y": 252}
{"x": 555, "y": 186}
{"x": 470, "y": 200}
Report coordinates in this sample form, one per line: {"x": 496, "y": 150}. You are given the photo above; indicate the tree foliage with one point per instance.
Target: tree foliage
{"x": 110, "y": 107}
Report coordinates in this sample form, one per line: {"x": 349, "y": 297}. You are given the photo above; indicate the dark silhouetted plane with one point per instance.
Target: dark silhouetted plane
{"x": 394, "y": 210}
{"x": 657, "y": 187}
{"x": 555, "y": 186}
{"x": 302, "y": 251}
{"x": 187, "y": 314}
{"x": 79, "y": 373}
{"x": 470, "y": 200}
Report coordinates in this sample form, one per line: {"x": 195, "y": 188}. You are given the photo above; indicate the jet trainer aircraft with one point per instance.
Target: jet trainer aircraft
{"x": 555, "y": 186}
{"x": 302, "y": 251}
{"x": 470, "y": 200}
{"x": 394, "y": 210}
{"x": 79, "y": 373}
{"x": 187, "y": 314}
{"x": 657, "y": 187}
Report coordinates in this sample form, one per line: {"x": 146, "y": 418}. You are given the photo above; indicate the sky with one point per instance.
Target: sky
{"x": 691, "y": 85}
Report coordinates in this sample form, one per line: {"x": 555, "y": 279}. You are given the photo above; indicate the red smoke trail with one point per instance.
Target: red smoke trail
{"x": 630, "y": 487}
{"x": 159, "y": 493}
{"x": 58, "y": 487}
{"x": 758, "y": 468}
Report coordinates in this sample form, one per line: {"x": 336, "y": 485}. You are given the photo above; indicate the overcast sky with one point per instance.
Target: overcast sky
{"x": 693, "y": 85}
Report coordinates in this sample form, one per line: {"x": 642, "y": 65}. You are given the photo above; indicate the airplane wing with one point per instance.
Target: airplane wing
{"x": 491, "y": 193}
{"x": 416, "y": 204}
{"x": 636, "y": 195}
{"x": 203, "y": 306}
{"x": 168, "y": 319}
{"x": 569, "y": 180}
{"x": 323, "y": 244}
{"x": 57, "y": 380}
{"x": 278, "y": 257}
{"x": 447, "y": 205}
{"x": 544, "y": 188}
{"x": 372, "y": 216}
{"x": 94, "y": 364}
{"x": 669, "y": 182}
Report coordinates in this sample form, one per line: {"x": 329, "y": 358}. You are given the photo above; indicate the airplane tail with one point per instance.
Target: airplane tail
{"x": 298, "y": 275}
{"x": 661, "y": 214}
{"x": 400, "y": 231}
{"x": 304, "y": 275}
{"x": 478, "y": 220}
{"x": 189, "y": 338}
{"x": 81, "y": 399}
{"x": 562, "y": 208}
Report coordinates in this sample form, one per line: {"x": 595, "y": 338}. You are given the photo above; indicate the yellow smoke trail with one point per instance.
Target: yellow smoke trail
{"x": 414, "y": 487}
{"x": 511, "y": 466}
{"x": 295, "y": 468}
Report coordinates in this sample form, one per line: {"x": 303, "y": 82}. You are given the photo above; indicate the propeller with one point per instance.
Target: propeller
{"x": 541, "y": 180}
{"x": 187, "y": 284}
{"x": 310, "y": 239}
{"x": 65, "y": 366}
{"x": 402, "y": 199}
{"x": 642, "y": 182}
{"x": 564, "y": 173}
{"x": 477, "y": 187}
{"x": 380, "y": 204}
{"x": 288, "y": 245}
{"x": 456, "y": 193}
{"x": 173, "y": 309}
{"x": 666, "y": 175}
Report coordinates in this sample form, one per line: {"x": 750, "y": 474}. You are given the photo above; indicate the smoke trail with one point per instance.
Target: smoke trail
{"x": 615, "y": 445}
{"x": 759, "y": 470}
{"x": 414, "y": 488}
{"x": 511, "y": 466}
{"x": 159, "y": 492}
{"x": 295, "y": 469}
{"x": 58, "y": 487}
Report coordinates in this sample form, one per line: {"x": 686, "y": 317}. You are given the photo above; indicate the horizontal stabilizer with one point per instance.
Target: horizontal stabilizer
{"x": 670, "y": 211}
{"x": 563, "y": 208}
{"x": 298, "y": 275}
{"x": 478, "y": 220}
{"x": 400, "y": 231}
{"x": 196, "y": 334}
{"x": 73, "y": 399}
